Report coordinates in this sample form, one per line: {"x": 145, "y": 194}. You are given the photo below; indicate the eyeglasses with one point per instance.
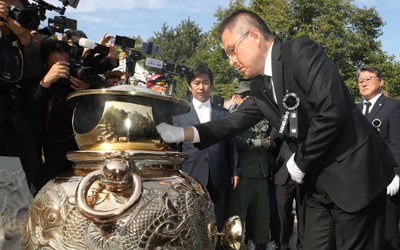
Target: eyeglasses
{"x": 230, "y": 52}
{"x": 367, "y": 79}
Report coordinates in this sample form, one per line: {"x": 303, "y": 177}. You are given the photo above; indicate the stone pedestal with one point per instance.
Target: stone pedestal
{"x": 15, "y": 198}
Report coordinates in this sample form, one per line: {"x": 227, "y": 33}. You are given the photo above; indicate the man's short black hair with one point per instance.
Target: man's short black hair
{"x": 50, "y": 45}
{"x": 251, "y": 18}
{"x": 372, "y": 69}
{"x": 78, "y": 33}
{"x": 198, "y": 70}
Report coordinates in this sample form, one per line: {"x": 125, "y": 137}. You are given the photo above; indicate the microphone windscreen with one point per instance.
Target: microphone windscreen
{"x": 86, "y": 43}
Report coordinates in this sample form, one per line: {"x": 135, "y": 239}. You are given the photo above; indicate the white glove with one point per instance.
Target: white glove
{"x": 393, "y": 187}
{"x": 170, "y": 133}
{"x": 295, "y": 173}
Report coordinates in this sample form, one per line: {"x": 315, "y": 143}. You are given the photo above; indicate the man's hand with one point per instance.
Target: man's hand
{"x": 393, "y": 187}
{"x": 295, "y": 173}
{"x": 268, "y": 143}
{"x": 105, "y": 41}
{"x": 23, "y": 34}
{"x": 169, "y": 133}
{"x": 235, "y": 181}
{"x": 3, "y": 11}
{"x": 57, "y": 71}
{"x": 6, "y": 22}
{"x": 78, "y": 84}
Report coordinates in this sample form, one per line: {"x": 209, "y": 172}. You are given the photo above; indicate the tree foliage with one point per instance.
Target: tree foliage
{"x": 178, "y": 45}
{"x": 349, "y": 35}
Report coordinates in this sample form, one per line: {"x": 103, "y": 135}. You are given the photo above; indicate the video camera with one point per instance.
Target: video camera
{"x": 128, "y": 45}
{"x": 165, "y": 67}
{"x": 61, "y": 23}
{"x": 30, "y": 16}
{"x": 89, "y": 67}
{"x": 27, "y": 17}
{"x": 169, "y": 70}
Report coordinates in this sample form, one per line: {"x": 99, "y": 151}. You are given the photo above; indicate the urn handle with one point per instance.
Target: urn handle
{"x": 113, "y": 181}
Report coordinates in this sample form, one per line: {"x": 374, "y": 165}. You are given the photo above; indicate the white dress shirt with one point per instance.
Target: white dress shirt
{"x": 268, "y": 69}
{"x": 372, "y": 101}
{"x": 203, "y": 110}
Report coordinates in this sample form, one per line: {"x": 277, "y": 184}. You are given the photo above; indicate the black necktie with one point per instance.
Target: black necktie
{"x": 367, "y": 107}
{"x": 268, "y": 88}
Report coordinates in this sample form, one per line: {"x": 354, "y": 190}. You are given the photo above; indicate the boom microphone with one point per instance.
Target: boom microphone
{"x": 86, "y": 43}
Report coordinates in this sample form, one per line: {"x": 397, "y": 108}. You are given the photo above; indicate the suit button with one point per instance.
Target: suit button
{"x": 264, "y": 90}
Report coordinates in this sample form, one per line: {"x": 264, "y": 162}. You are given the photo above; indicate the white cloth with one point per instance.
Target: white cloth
{"x": 203, "y": 110}
{"x": 393, "y": 187}
{"x": 196, "y": 136}
{"x": 170, "y": 133}
{"x": 295, "y": 173}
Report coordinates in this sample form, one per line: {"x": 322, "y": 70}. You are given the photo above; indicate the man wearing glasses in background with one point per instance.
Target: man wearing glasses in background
{"x": 343, "y": 163}
{"x": 215, "y": 167}
{"x": 384, "y": 114}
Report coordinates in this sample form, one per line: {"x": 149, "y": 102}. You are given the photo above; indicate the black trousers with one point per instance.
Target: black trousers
{"x": 220, "y": 198}
{"x": 250, "y": 201}
{"x": 285, "y": 195}
{"x": 392, "y": 234}
{"x": 328, "y": 227}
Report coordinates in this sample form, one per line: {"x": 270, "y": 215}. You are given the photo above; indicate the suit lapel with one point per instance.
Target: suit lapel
{"x": 360, "y": 106}
{"x": 377, "y": 107}
{"x": 214, "y": 113}
{"x": 277, "y": 73}
{"x": 265, "y": 103}
{"x": 193, "y": 115}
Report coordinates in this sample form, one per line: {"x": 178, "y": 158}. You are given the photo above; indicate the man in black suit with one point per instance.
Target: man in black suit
{"x": 287, "y": 191}
{"x": 343, "y": 162}
{"x": 215, "y": 167}
{"x": 384, "y": 114}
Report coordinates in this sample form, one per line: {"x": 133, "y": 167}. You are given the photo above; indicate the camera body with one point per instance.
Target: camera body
{"x": 27, "y": 17}
{"x": 85, "y": 73}
{"x": 89, "y": 67}
{"x": 125, "y": 42}
{"x": 61, "y": 23}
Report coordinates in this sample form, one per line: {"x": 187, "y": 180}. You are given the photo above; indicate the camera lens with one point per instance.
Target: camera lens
{"x": 28, "y": 18}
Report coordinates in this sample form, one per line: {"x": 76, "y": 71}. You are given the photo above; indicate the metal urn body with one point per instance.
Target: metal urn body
{"x": 158, "y": 208}
{"x": 126, "y": 190}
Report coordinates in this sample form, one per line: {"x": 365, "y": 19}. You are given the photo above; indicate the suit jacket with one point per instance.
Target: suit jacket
{"x": 219, "y": 161}
{"x": 387, "y": 111}
{"x": 338, "y": 150}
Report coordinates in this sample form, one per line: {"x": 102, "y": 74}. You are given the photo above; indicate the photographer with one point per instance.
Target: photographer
{"x": 19, "y": 47}
{"x": 56, "y": 113}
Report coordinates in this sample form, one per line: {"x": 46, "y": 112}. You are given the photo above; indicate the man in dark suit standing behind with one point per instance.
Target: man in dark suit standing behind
{"x": 215, "y": 167}
{"x": 384, "y": 114}
{"x": 342, "y": 161}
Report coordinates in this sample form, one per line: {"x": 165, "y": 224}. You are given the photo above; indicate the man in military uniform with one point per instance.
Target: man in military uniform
{"x": 251, "y": 196}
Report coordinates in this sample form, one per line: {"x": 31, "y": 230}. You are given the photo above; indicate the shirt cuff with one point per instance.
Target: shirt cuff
{"x": 196, "y": 136}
